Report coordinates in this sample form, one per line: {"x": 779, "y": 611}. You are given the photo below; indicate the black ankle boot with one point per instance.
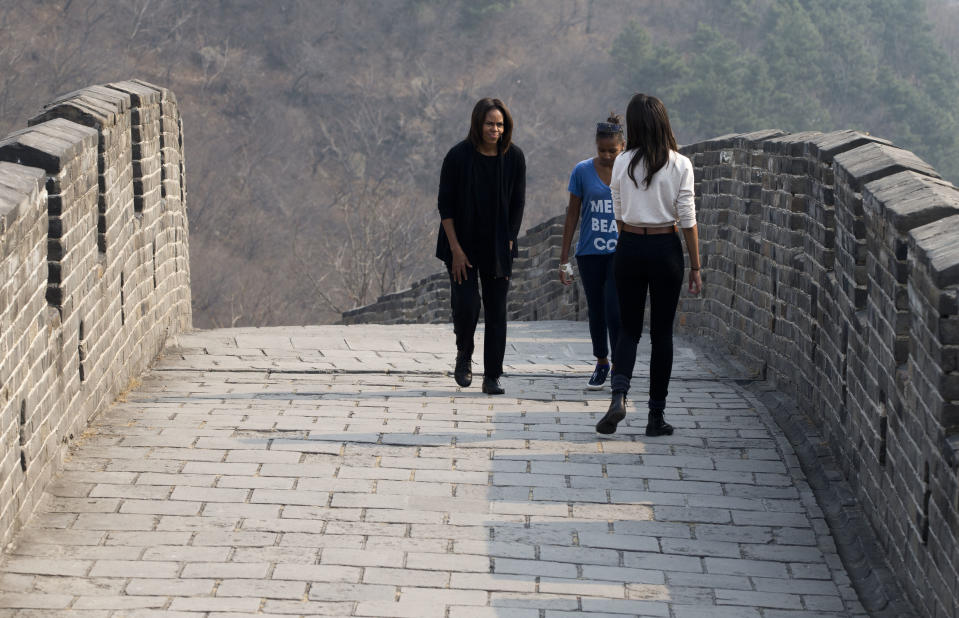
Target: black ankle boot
{"x": 463, "y": 372}
{"x": 491, "y": 386}
{"x": 616, "y": 413}
{"x": 657, "y": 425}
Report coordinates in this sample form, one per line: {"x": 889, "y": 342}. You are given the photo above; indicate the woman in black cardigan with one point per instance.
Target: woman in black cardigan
{"x": 481, "y": 198}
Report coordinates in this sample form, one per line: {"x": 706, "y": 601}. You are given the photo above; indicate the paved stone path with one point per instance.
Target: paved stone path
{"x": 338, "y": 471}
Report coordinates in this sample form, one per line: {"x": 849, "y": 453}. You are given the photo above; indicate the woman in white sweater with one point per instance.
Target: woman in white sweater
{"x": 652, "y": 190}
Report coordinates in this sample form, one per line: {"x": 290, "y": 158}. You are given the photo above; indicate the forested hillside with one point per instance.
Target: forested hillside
{"x": 315, "y": 129}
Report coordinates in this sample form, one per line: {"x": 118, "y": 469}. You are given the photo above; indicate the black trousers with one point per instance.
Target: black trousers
{"x": 596, "y": 274}
{"x": 465, "y": 301}
{"x": 644, "y": 264}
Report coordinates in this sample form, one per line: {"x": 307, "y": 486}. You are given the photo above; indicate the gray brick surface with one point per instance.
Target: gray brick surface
{"x": 566, "y": 524}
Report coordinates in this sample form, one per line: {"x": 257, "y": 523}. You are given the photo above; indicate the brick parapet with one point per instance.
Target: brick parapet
{"x": 831, "y": 265}
{"x": 94, "y": 284}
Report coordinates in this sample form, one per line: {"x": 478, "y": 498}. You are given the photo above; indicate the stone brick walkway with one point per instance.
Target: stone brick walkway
{"x": 338, "y": 471}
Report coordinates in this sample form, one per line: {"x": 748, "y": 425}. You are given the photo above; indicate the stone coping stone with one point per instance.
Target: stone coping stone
{"x": 139, "y": 94}
{"x": 95, "y": 106}
{"x": 935, "y": 246}
{"x": 165, "y": 93}
{"x": 48, "y": 145}
{"x": 831, "y": 144}
{"x": 909, "y": 200}
{"x": 872, "y": 161}
{"x": 19, "y": 187}
{"x": 732, "y": 140}
{"x": 120, "y": 101}
{"x": 792, "y": 144}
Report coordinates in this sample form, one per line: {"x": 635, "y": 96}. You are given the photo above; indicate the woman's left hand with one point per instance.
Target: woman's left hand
{"x": 695, "y": 282}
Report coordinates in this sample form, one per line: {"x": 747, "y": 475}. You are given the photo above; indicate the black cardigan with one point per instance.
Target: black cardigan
{"x": 457, "y": 201}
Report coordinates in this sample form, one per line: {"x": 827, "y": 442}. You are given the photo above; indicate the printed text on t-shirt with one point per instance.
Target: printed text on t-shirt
{"x": 604, "y": 224}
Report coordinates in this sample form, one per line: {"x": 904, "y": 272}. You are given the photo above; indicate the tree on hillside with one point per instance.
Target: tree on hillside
{"x": 726, "y": 90}
{"x": 294, "y": 108}
{"x": 377, "y": 250}
{"x": 653, "y": 68}
{"x": 870, "y": 65}
{"x": 793, "y": 56}
{"x": 850, "y": 61}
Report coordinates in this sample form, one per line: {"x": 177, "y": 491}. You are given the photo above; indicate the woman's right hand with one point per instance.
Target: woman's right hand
{"x": 564, "y": 278}
{"x": 460, "y": 264}
{"x": 695, "y": 282}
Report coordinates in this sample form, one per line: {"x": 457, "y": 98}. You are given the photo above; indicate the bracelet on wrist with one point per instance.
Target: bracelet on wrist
{"x": 691, "y": 268}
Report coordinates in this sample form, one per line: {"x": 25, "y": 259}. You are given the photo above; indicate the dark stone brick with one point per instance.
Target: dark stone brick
{"x": 37, "y": 148}
{"x": 139, "y": 93}
{"x": 871, "y": 161}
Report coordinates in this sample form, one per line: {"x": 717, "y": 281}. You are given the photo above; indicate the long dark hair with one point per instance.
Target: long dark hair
{"x": 649, "y": 132}
{"x": 478, "y": 116}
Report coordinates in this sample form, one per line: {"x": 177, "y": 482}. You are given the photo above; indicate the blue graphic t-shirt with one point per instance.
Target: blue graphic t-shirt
{"x": 597, "y": 228}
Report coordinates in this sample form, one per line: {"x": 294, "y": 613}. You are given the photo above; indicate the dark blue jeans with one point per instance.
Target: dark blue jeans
{"x": 647, "y": 264}
{"x": 596, "y": 273}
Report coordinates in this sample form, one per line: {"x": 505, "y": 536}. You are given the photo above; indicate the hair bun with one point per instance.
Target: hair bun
{"x": 608, "y": 129}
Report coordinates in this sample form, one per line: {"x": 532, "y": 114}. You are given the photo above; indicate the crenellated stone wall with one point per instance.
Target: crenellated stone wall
{"x": 94, "y": 253}
{"x": 831, "y": 268}
{"x": 535, "y": 291}
{"x": 831, "y": 265}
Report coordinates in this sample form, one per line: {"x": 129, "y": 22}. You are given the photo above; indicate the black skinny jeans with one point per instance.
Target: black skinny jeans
{"x": 465, "y": 301}
{"x": 596, "y": 273}
{"x": 653, "y": 263}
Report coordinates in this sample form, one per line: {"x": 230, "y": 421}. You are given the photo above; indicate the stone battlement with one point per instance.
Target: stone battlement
{"x": 94, "y": 251}
{"x": 831, "y": 268}
{"x": 535, "y": 292}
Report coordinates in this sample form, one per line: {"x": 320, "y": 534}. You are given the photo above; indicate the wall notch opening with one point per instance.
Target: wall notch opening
{"x": 81, "y": 352}
{"x": 123, "y": 316}
{"x": 23, "y": 434}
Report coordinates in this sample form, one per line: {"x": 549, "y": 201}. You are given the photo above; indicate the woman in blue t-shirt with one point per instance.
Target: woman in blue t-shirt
{"x": 591, "y": 202}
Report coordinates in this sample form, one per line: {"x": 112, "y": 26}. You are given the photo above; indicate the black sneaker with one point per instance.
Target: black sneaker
{"x": 598, "y": 379}
{"x": 463, "y": 373}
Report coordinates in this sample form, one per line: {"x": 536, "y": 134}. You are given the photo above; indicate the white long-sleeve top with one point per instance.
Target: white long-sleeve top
{"x": 667, "y": 201}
